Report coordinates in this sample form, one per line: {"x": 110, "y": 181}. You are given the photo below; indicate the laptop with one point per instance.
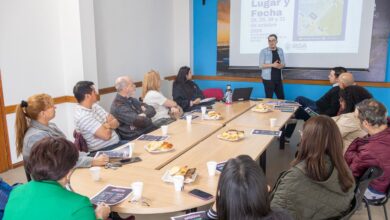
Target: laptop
{"x": 242, "y": 94}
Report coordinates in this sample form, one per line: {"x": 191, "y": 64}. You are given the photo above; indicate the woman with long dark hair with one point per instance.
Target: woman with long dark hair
{"x": 348, "y": 124}
{"x": 319, "y": 185}
{"x": 242, "y": 193}
{"x": 185, "y": 91}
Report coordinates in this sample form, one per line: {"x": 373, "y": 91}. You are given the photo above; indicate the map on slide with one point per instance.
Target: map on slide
{"x": 320, "y": 20}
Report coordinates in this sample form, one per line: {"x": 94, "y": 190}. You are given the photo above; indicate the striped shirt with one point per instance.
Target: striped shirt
{"x": 88, "y": 121}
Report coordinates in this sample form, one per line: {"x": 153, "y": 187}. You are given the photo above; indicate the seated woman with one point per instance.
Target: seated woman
{"x": 319, "y": 185}
{"x": 242, "y": 193}
{"x": 166, "y": 110}
{"x": 32, "y": 124}
{"x": 51, "y": 162}
{"x": 185, "y": 91}
{"x": 348, "y": 124}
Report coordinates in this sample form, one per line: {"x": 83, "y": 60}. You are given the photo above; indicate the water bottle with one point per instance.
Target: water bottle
{"x": 228, "y": 94}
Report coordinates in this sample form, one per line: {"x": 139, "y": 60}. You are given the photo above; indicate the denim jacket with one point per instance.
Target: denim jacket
{"x": 266, "y": 58}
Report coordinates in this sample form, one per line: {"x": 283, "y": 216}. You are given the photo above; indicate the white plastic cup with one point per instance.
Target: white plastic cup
{"x": 137, "y": 190}
{"x": 211, "y": 167}
{"x": 164, "y": 130}
{"x": 95, "y": 173}
{"x": 189, "y": 119}
{"x": 203, "y": 109}
{"x": 178, "y": 182}
{"x": 272, "y": 122}
{"x": 131, "y": 148}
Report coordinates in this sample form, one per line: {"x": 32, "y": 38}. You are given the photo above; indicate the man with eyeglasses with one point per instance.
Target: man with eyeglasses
{"x": 271, "y": 63}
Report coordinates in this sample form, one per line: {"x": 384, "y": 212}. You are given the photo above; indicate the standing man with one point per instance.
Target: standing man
{"x": 271, "y": 63}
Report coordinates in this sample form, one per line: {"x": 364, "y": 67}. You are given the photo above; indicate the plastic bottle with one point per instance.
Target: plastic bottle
{"x": 228, "y": 94}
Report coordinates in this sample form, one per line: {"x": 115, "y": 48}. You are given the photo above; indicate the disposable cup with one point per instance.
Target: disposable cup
{"x": 211, "y": 167}
{"x": 178, "y": 182}
{"x": 189, "y": 119}
{"x": 95, "y": 173}
{"x": 137, "y": 188}
{"x": 203, "y": 109}
{"x": 272, "y": 122}
{"x": 164, "y": 130}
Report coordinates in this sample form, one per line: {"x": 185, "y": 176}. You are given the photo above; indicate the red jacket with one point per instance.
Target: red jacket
{"x": 371, "y": 151}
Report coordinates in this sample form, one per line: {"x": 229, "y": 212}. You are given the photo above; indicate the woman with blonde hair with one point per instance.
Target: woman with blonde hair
{"x": 166, "y": 110}
{"x": 33, "y": 124}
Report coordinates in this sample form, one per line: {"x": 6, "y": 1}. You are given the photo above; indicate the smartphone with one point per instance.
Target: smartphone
{"x": 201, "y": 194}
{"x": 130, "y": 160}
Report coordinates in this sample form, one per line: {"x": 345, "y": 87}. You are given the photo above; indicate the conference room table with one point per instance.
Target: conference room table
{"x": 181, "y": 136}
{"x": 194, "y": 144}
{"x": 228, "y": 112}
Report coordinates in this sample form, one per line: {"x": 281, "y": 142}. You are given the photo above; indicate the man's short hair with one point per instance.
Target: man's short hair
{"x": 272, "y": 35}
{"x": 81, "y": 89}
{"x": 338, "y": 70}
{"x": 372, "y": 111}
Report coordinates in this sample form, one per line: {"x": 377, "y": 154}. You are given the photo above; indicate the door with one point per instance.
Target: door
{"x": 5, "y": 157}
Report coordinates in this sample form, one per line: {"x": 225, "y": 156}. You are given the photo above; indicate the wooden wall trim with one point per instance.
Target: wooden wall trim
{"x": 10, "y": 109}
{"x": 57, "y": 100}
{"x": 287, "y": 81}
{"x": 18, "y": 164}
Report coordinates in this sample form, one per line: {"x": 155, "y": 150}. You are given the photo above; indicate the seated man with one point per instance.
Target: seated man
{"x": 134, "y": 117}
{"x": 328, "y": 104}
{"x": 346, "y": 79}
{"x": 92, "y": 121}
{"x": 373, "y": 149}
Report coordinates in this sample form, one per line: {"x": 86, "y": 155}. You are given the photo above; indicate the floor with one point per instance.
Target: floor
{"x": 277, "y": 161}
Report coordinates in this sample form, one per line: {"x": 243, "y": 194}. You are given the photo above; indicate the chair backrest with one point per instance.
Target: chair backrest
{"x": 361, "y": 186}
{"x": 217, "y": 93}
{"x": 363, "y": 181}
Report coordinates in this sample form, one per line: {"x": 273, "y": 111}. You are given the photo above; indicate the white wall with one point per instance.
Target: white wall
{"x": 30, "y": 49}
{"x": 46, "y": 46}
{"x": 182, "y": 34}
{"x": 40, "y": 52}
{"x": 133, "y": 37}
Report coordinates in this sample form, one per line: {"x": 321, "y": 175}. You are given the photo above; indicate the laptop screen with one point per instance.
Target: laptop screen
{"x": 242, "y": 94}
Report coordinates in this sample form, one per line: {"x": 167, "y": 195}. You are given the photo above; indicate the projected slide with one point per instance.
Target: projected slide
{"x": 305, "y": 29}
{"x": 303, "y": 26}
{"x": 320, "y": 20}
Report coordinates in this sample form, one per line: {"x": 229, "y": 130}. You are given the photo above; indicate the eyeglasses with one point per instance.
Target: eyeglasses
{"x": 272, "y": 40}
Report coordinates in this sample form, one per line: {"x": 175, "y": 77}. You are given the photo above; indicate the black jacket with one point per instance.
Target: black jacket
{"x": 329, "y": 104}
{"x": 183, "y": 93}
{"x": 126, "y": 111}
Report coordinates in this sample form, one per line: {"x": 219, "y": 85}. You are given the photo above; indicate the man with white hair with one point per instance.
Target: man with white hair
{"x": 134, "y": 117}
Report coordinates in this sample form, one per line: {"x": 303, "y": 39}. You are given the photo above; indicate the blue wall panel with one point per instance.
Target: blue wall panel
{"x": 205, "y": 59}
{"x": 205, "y": 37}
